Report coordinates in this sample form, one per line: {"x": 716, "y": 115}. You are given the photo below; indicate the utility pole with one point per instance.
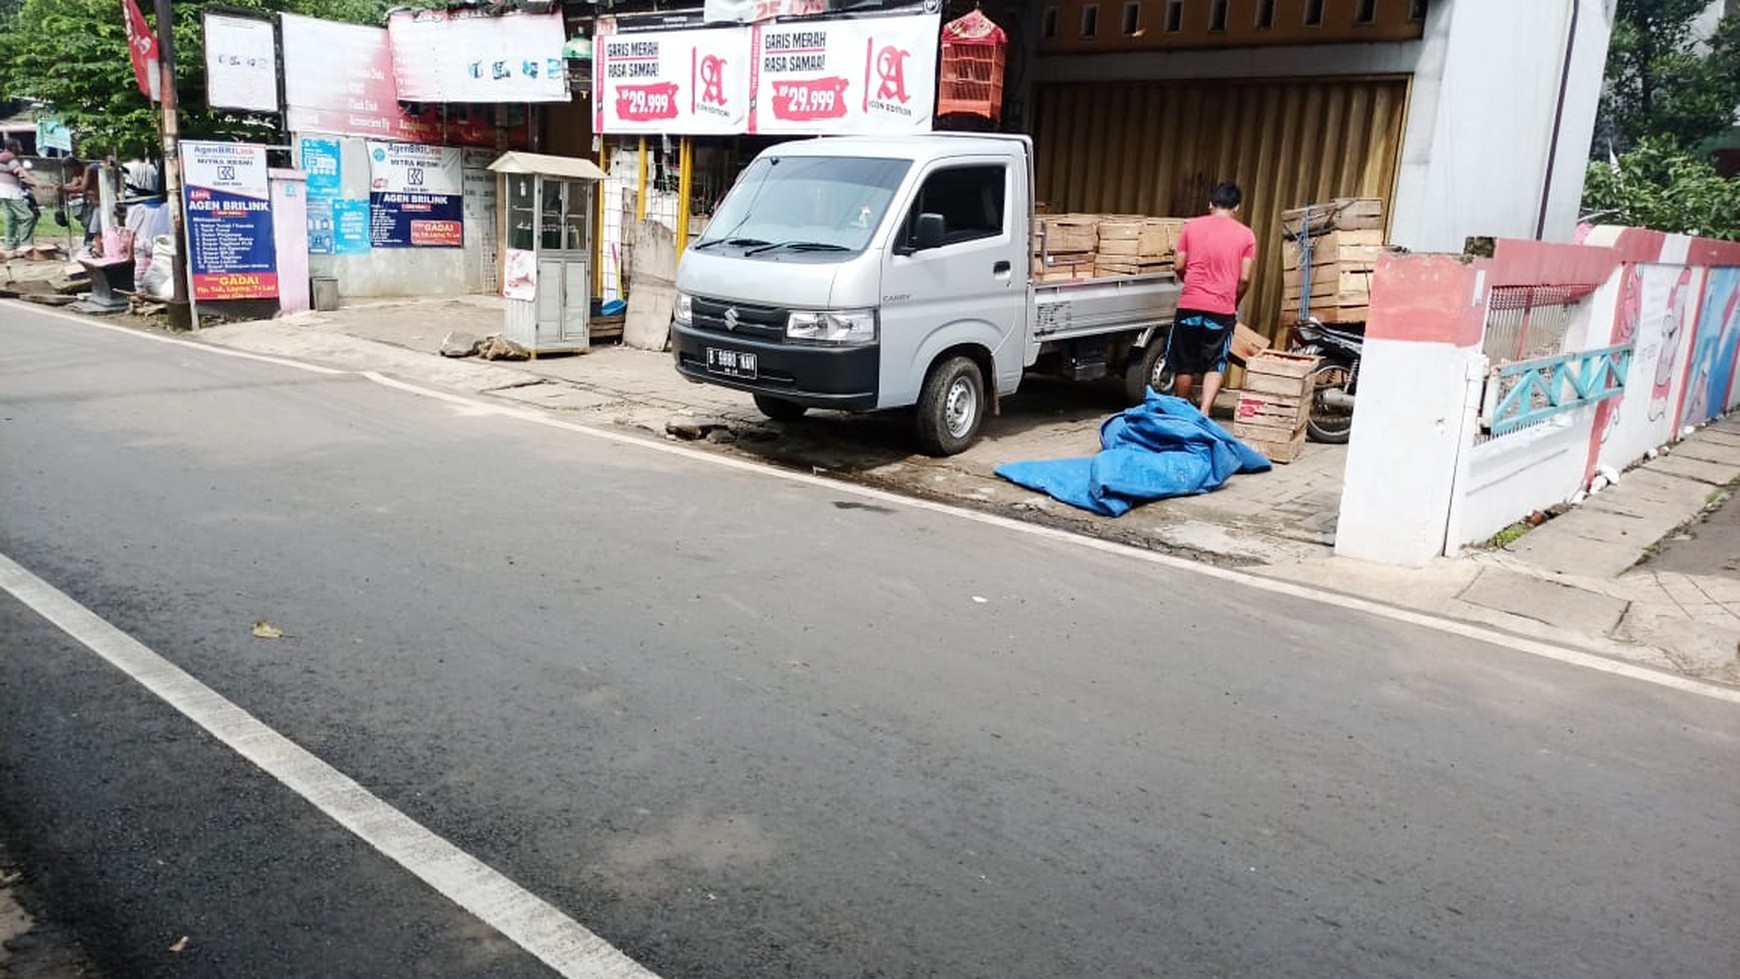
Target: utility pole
{"x": 180, "y": 313}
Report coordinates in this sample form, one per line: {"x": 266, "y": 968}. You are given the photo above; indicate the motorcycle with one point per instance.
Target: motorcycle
{"x": 1335, "y": 380}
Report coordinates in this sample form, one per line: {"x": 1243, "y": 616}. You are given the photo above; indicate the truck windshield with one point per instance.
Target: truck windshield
{"x": 819, "y": 204}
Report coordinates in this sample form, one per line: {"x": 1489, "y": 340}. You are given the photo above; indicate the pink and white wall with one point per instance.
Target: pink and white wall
{"x": 1425, "y": 479}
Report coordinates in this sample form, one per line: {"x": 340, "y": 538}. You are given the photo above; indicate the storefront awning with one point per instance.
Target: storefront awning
{"x": 543, "y": 164}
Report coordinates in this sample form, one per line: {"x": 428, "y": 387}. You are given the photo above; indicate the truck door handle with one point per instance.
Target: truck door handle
{"x": 1001, "y": 268}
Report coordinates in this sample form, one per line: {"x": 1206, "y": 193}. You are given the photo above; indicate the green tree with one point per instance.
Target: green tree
{"x": 72, "y": 55}
{"x": 1660, "y": 186}
{"x": 1662, "y": 85}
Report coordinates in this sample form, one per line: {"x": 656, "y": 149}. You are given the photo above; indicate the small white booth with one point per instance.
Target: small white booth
{"x": 547, "y": 206}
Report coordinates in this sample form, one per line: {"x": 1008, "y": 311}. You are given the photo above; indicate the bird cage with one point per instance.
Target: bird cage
{"x": 972, "y": 67}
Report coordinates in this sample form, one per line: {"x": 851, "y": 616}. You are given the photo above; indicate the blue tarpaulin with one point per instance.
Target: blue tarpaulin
{"x": 1162, "y": 447}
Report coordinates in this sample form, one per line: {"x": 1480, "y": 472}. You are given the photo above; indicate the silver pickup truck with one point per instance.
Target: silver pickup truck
{"x": 864, "y": 273}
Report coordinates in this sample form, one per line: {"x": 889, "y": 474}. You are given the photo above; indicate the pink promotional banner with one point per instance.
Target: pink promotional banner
{"x": 338, "y": 80}
{"x": 467, "y": 56}
{"x": 681, "y": 83}
{"x": 866, "y": 75}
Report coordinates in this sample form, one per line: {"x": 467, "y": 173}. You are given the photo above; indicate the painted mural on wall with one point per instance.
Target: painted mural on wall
{"x": 1666, "y": 305}
{"x": 1709, "y": 388}
{"x": 1625, "y": 318}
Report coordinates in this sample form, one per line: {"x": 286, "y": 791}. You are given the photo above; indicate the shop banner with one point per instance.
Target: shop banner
{"x": 680, "y": 83}
{"x": 320, "y": 161}
{"x": 241, "y": 63}
{"x": 350, "y": 226}
{"x": 871, "y": 75}
{"x": 229, "y": 221}
{"x": 756, "y": 11}
{"x": 338, "y": 79}
{"x": 466, "y": 56}
{"x": 415, "y": 196}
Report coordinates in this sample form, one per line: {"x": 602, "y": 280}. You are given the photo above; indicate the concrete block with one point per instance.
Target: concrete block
{"x": 1708, "y": 450}
{"x": 1593, "y": 541}
{"x": 1691, "y": 467}
{"x": 1563, "y": 606}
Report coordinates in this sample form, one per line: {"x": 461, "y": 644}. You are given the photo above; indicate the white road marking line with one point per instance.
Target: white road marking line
{"x": 526, "y": 919}
{"x": 477, "y": 407}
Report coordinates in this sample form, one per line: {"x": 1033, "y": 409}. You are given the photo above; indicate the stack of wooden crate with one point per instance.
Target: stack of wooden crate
{"x": 1275, "y": 403}
{"x": 1064, "y": 247}
{"x": 1341, "y": 241}
{"x": 1135, "y": 245}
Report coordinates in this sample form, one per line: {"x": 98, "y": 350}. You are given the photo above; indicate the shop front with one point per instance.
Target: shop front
{"x": 680, "y": 111}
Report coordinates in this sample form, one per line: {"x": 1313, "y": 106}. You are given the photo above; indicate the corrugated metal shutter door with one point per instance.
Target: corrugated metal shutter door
{"x": 1160, "y": 147}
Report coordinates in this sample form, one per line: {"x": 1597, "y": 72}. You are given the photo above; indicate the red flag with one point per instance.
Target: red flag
{"x": 142, "y": 45}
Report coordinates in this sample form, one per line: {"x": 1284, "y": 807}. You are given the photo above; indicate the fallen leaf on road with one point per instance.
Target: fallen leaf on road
{"x": 180, "y": 945}
{"x": 266, "y": 630}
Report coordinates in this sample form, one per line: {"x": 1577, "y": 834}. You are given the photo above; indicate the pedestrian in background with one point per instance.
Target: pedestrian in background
{"x": 16, "y": 203}
{"x": 1214, "y": 257}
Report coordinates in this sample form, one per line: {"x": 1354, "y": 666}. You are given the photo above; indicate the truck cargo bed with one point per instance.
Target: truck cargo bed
{"x": 1063, "y": 310}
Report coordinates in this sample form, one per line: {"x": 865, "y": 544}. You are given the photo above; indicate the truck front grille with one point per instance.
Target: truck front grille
{"x": 738, "y": 319}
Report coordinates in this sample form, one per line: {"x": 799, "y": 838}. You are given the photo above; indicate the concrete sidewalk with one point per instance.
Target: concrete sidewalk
{"x": 1588, "y": 578}
{"x": 1575, "y": 580}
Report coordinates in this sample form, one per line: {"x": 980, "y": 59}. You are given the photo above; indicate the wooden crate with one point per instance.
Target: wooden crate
{"x": 1054, "y": 261}
{"x": 1350, "y": 251}
{"x": 1284, "y": 364}
{"x": 1281, "y": 412}
{"x": 1159, "y": 237}
{"x": 1066, "y": 233}
{"x": 1340, "y": 214}
{"x": 1328, "y": 280}
{"x": 1326, "y": 313}
{"x": 1275, "y": 450}
{"x": 1119, "y": 227}
{"x": 1130, "y": 265}
{"x": 1246, "y": 343}
{"x": 1065, "y": 272}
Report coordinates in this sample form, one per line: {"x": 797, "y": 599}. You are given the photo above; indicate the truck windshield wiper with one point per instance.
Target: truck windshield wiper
{"x": 799, "y": 246}
{"x": 733, "y": 242}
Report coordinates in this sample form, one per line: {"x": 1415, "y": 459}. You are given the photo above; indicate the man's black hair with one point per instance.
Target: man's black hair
{"x": 1226, "y": 196}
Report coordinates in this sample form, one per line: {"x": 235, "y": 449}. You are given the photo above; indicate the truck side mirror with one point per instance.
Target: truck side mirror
{"x": 929, "y": 232}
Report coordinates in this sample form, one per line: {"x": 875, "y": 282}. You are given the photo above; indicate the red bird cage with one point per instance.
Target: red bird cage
{"x": 972, "y": 67}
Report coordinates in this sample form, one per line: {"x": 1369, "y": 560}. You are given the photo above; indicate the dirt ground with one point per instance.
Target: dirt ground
{"x": 1709, "y": 546}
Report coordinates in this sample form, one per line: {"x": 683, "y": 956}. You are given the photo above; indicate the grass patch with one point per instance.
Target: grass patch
{"x": 1510, "y": 535}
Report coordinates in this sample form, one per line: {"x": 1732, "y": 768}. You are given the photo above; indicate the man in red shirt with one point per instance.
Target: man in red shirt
{"x": 1214, "y": 256}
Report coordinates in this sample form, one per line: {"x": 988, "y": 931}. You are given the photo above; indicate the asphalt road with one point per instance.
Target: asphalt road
{"x": 740, "y": 726}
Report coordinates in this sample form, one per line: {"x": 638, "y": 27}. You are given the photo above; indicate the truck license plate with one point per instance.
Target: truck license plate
{"x": 731, "y": 363}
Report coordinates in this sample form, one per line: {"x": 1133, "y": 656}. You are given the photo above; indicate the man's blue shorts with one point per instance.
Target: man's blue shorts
{"x": 1199, "y": 342}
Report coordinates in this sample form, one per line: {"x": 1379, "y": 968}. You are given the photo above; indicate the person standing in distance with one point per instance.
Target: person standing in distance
{"x": 1213, "y": 257}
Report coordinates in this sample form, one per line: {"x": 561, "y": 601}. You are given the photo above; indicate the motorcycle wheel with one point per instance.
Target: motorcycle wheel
{"x": 1327, "y": 423}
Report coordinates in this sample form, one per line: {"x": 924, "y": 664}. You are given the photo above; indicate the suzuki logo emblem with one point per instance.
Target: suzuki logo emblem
{"x": 731, "y": 318}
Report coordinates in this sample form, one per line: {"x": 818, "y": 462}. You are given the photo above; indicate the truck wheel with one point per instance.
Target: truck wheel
{"x": 951, "y": 407}
{"x": 1150, "y": 370}
{"x": 779, "y": 409}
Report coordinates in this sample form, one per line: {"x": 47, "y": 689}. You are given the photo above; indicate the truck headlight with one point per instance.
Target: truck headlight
{"x": 683, "y": 310}
{"x": 840, "y": 326}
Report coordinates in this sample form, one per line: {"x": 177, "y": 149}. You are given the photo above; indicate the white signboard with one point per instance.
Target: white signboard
{"x": 687, "y": 83}
{"x": 241, "y": 63}
{"x": 872, "y": 75}
{"x": 412, "y": 168}
{"x": 466, "y": 56}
